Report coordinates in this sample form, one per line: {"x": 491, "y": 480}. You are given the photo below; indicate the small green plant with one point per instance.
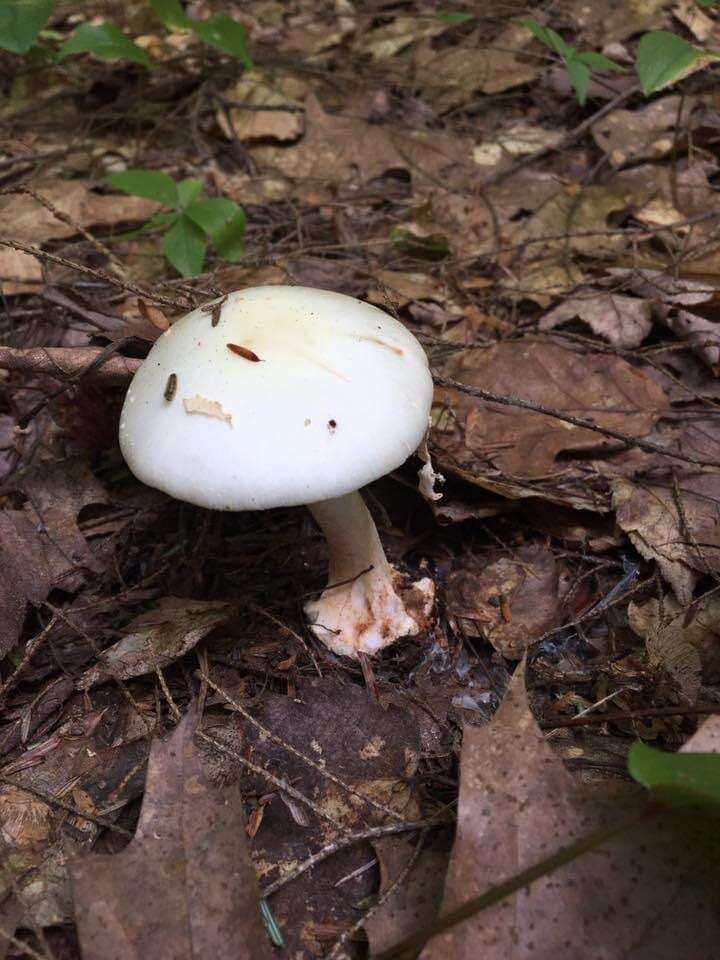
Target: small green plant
{"x": 662, "y": 59}
{"x": 191, "y": 220}
{"x": 579, "y": 64}
{"x": 22, "y": 20}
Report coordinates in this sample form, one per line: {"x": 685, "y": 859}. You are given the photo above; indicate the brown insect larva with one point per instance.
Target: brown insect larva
{"x": 170, "y": 387}
{"x": 243, "y": 352}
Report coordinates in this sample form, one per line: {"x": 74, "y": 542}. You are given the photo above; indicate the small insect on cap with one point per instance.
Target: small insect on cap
{"x": 276, "y": 396}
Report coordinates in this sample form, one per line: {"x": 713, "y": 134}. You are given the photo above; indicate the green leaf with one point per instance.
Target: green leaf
{"x": 680, "y": 779}
{"x": 434, "y": 247}
{"x": 454, "y": 17}
{"x": 547, "y": 36}
{"x": 106, "y": 41}
{"x": 579, "y": 78}
{"x": 188, "y": 190}
{"x": 171, "y": 13}
{"x": 226, "y": 34}
{"x": 184, "y": 245}
{"x": 21, "y": 21}
{"x": 598, "y": 61}
{"x": 151, "y": 184}
{"x": 223, "y": 221}
{"x": 661, "y": 58}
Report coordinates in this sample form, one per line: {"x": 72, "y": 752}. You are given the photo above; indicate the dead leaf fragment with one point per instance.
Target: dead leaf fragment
{"x": 157, "y": 638}
{"x": 185, "y": 887}
{"x": 207, "y": 408}
{"x": 644, "y": 134}
{"x": 696, "y": 627}
{"x": 684, "y": 541}
{"x": 523, "y": 444}
{"x": 623, "y": 321}
{"x": 510, "y": 602}
{"x": 518, "y": 806}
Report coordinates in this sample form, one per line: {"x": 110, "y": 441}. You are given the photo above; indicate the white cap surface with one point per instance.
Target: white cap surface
{"x": 318, "y": 394}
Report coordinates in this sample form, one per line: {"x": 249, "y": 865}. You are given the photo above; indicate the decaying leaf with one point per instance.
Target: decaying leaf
{"x": 185, "y": 887}
{"x": 509, "y": 602}
{"x": 257, "y": 89}
{"x": 41, "y": 546}
{"x": 524, "y": 444}
{"x": 678, "y": 628}
{"x": 158, "y": 638}
{"x": 517, "y": 806}
{"x": 644, "y": 134}
{"x": 337, "y": 148}
{"x": 675, "y": 524}
{"x": 623, "y": 321}
{"x": 207, "y": 408}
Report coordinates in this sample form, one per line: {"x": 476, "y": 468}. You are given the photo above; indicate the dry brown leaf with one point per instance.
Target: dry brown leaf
{"x": 384, "y": 42}
{"x": 510, "y": 602}
{"x": 453, "y": 75}
{"x": 336, "y": 148}
{"x": 260, "y": 89}
{"x": 31, "y": 222}
{"x": 696, "y": 626}
{"x": 643, "y": 134}
{"x": 184, "y": 887}
{"x": 518, "y": 806}
{"x": 19, "y": 272}
{"x": 524, "y": 444}
{"x": 609, "y": 21}
{"x": 372, "y": 749}
{"x": 410, "y": 904}
{"x": 623, "y": 321}
{"x": 684, "y": 544}
{"x": 157, "y": 638}
{"x": 41, "y": 546}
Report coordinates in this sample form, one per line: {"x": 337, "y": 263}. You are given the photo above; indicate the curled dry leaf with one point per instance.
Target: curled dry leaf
{"x": 518, "y": 806}
{"x": 185, "y": 887}
{"x": 157, "y": 638}
{"x": 674, "y": 523}
{"x": 681, "y": 627}
{"x": 623, "y": 321}
{"x": 510, "y": 602}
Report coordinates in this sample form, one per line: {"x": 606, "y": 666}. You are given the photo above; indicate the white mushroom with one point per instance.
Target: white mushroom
{"x": 278, "y": 396}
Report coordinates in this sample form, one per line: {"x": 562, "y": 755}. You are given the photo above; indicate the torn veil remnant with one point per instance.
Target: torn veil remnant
{"x": 341, "y": 397}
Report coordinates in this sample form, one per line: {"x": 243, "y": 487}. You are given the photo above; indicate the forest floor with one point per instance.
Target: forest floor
{"x": 434, "y": 162}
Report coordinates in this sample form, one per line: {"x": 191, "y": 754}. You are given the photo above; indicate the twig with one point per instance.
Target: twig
{"x": 276, "y": 781}
{"x": 61, "y": 805}
{"x": 621, "y": 715}
{"x": 70, "y": 363}
{"x": 327, "y": 774}
{"x": 510, "y": 401}
{"x": 329, "y": 849}
{"x": 91, "y": 272}
{"x": 336, "y": 952}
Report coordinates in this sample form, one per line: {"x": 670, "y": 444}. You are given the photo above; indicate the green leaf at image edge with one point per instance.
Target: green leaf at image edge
{"x": 184, "y": 245}
{"x": 150, "y": 184}
{"x": 105, "y": 41}
{"x": 679, "y": 779}
{"x": 223, "y": 221}
{"x": 225, "y": 34}
{"x": 661, "y": 58}
{"x": 21, "y": 21}
{"x": 171, "y": 13}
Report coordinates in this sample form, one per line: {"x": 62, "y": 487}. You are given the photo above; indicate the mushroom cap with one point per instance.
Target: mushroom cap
{"x": 275, "y": 396}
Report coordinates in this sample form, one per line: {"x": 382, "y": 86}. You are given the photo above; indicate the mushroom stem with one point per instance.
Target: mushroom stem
{"x": 361, "y": 610}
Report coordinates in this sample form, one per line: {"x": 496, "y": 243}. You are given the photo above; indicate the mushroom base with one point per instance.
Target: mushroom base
{"x": 368, "y": 604}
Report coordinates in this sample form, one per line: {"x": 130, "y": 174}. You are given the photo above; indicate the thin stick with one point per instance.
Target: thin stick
{"x": 371, "y": 833}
